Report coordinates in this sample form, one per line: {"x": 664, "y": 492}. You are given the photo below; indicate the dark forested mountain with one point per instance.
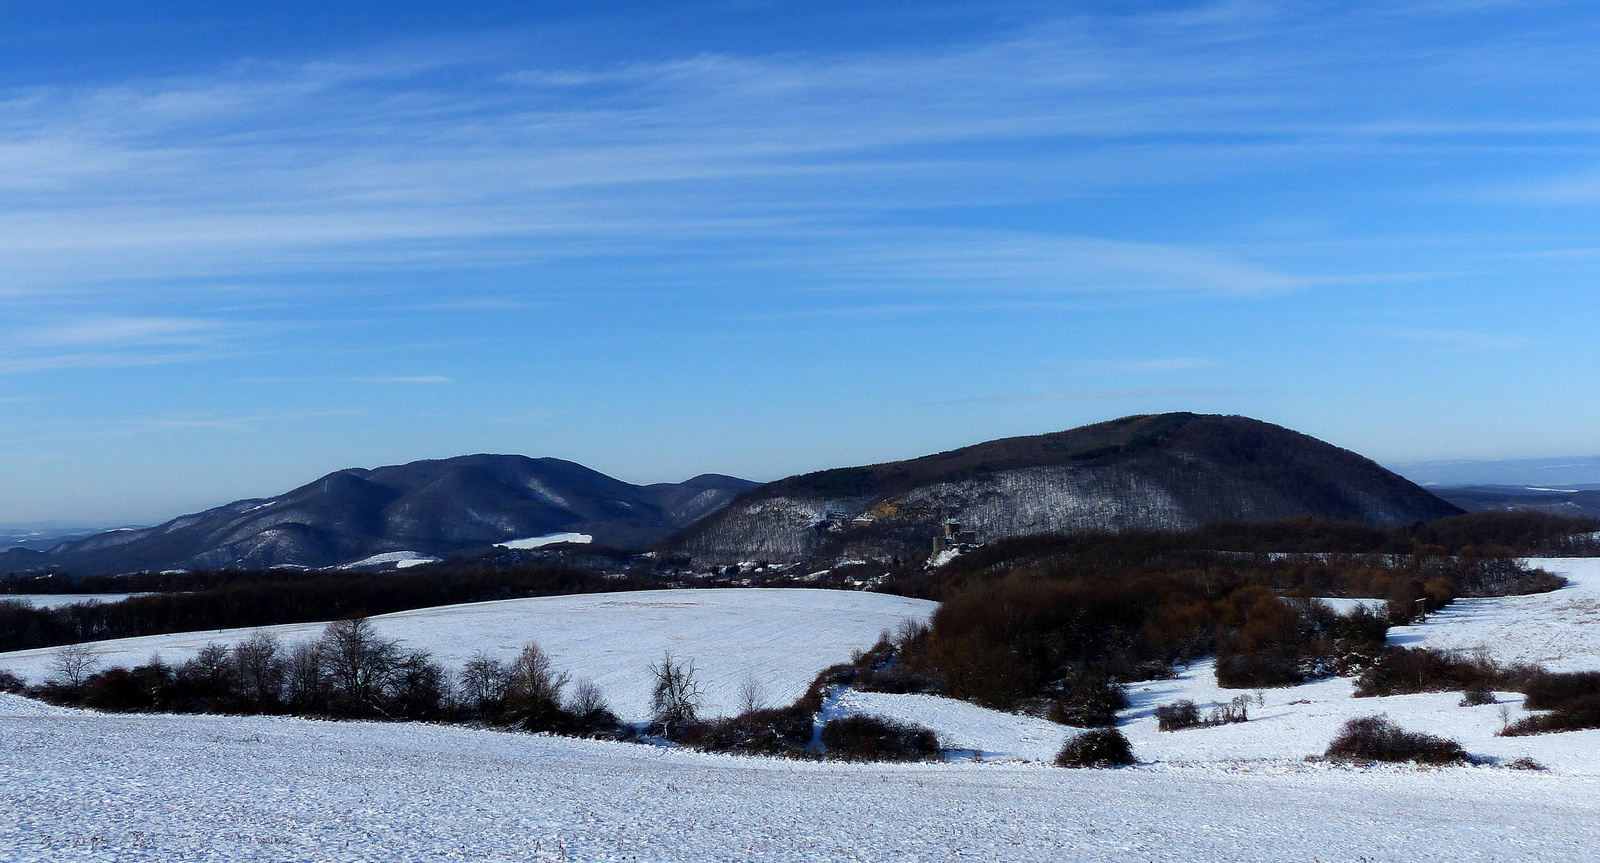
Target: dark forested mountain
{"x": 1157, "y": 472}
{"x": 439, "y": 508}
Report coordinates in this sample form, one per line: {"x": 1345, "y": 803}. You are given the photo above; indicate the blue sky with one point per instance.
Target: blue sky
{"x": 245, "y": 244}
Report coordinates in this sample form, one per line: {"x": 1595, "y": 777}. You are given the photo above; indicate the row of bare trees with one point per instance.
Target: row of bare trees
{"x": 351, "y": 671}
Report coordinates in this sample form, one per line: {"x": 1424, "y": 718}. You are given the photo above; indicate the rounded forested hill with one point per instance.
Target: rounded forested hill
{"x": 1154, "y": 472}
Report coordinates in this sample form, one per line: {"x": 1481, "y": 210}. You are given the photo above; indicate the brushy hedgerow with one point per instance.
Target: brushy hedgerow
{"x": 1572, "y": 699}
{"x": 1375, "y": 738}
{"x": 1097, "y": 747}
{"x": 782, "y": 731}
{"x": 1088, "y": 700}
{"x": 876, "y": 738}
{"x": 1180, "y": 715}
{"x": 1403, "y": 671}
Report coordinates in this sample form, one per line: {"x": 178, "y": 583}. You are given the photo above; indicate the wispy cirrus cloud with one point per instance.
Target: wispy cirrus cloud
{"x": 100, "y": 331}
{"x": 425, "y": 157}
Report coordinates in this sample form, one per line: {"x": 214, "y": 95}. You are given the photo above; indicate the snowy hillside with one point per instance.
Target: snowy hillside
{"x": 1559, "y": 629}
{"x": 156, "y": 787}
{"x": 781, "y": 637}
{"x": 82, "y": 786}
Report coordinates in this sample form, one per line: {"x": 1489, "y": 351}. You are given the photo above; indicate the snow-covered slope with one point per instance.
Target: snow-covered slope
{"x": 1559, "y": 630}
{"x": 1294, "y": 723}
{"x": 78, "y": 785}
{"x": 58, "y": 600}
{"x": 158, "y": 788}
{"x": 781, "y": 637}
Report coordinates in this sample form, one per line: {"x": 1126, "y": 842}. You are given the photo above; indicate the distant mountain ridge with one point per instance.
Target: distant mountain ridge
{"x": 436, "y": 507}
{"x": 1580, "y": 501}
{"x": 1156, "y": 472}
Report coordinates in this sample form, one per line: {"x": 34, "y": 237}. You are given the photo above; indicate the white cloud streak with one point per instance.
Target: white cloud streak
{"x": 118, "y": 331}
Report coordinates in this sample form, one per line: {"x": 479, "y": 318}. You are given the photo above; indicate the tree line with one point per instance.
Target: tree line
{"x": 351, "y": 672}
{"x": 235, "y": 601}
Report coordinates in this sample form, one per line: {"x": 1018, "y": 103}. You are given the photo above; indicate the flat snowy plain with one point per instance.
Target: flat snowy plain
{"x": 78, "y": 785}
{"x": 780, "y": 637}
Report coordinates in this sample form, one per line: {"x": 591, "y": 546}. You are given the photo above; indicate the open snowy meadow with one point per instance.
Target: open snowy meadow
{"x": 782, "y": 638}
{"x": 80, "y": 785}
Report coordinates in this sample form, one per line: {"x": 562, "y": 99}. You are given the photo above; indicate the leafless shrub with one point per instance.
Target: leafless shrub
{"x": 1375, "y": 738}
{"x": 1177, "y": 716}
{"x": 876, "y": 738}
{"x": 1097, "y": 747}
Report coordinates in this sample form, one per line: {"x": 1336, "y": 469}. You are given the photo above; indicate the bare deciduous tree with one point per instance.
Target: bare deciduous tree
{"x": 484, "y": 682}
{"x": 306, "y": 678}
{"x": 211, "y": 670}
{"x": 533, "y": 696}
{"x": 675, "y": 700}
{"x": 752, "y": 696}
{"x": 72, "y": 664}
{"x": 418, "y": 687}
{"x": 588, "y": 702}
{"x": 359, "y": 664}
{"x": 259, "y": 668}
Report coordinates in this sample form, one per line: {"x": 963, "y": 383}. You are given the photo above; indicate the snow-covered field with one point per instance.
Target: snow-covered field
{"x": 57, "y": 600}
{"x": 781, "y": 637}
{"x": 77, "y": 786}
{"x": 547, "y": 539}
{"x": 1295, "y": 722}
{"x": 1559, "y": 630}
{"x": 400, "y": 559}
